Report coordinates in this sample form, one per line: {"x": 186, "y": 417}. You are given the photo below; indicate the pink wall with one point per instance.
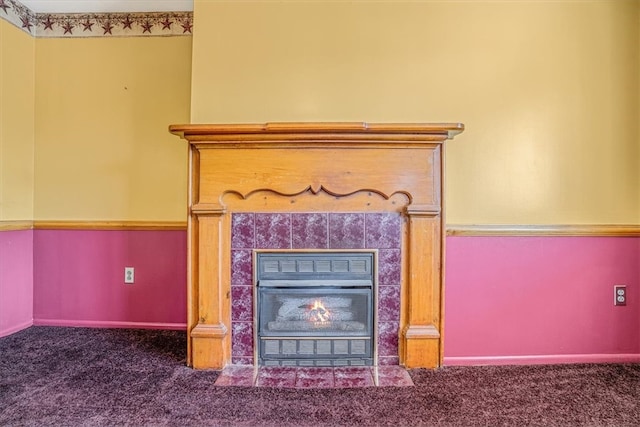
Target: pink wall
{"x": 79, "y": 278}
{"x": 541, "y": 299}
{"x": 507, "y": 299}
{"x": 16, "y": 281}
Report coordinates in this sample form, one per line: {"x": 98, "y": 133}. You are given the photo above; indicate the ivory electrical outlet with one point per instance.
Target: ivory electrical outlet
{"x": 129, "y": 275}
{"x": 620, "y": 295}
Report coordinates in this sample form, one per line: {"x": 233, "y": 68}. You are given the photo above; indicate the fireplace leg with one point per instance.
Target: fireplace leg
{"x": 421, "y": 345}
{"x": 209, "y": 346}
{"x": 420, "y": 337}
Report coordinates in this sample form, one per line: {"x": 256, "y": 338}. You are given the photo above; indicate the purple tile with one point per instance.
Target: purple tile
{"x": 276, "y": 382}
{"x": 238, "y": 371}
{"x": 242, "y": 231}
{"x": 224, "y": 381}
{"x": 276, "y": 377}
{"x": 383, "y": 230}
{"x": 346, "y": 231}
{"x": 242, "y": 303}
{"x": 242, "y": 339}
{"x": 273, "y": 231}
{"x": 314, "y": 373}
{"x": 241, "y": 267}
{"x": 349, "y": 377}
{"x": 238, "y": 376}
{"x": 314, "y": 383}
{"x": 389, "y": 266}
{"x": 388, "y": 360}
{"x": 318, "y": 380}
{"x": 309, "y": 230}
{"x": 350, "y": 371}
{"x": 389, "y": 303}
{"x": 393, "y": 376}
{"x": 242, "y": 360}
{"x": 388, "y": 338}
{"x": 277, "y": 372}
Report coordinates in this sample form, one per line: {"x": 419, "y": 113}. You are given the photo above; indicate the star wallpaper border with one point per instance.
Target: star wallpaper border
{"x": 76, "y": 25}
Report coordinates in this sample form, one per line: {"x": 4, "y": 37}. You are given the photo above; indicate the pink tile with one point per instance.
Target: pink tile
{"x": 389, "y": 262}
{"x": 346, "y": 231}
{"x": 224, "y": 381}
{"x": 314, "y": 378}
{"x": 388, "y": 338}
{"x": 238, "y": 371}
{"x": 242, "y": 303}
{"x": 315, "y": 382}
{"x": 309, "y": 230}
{"x": 389, "y": 303}
{"x": 273, "y": 231}
{"x": 317, "y": 373}
{"x": 291, "y": 377}
{"x": 352, "y": 377}
{"x": 276, "y": 382}
{"x": 276, "y": 377}
{"x": 242, "y": 230}
{"x": 236, "y": 376}
{"x": 388, "y": 360}
{"x": 242, "y": 339}
{"x": 393, "y": 376}
{"x": 382, "y": 230}
{"x": 241, "y": 267}
{"x": 242, "y": 360}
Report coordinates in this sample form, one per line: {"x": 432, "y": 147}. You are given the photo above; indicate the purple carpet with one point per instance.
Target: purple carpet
{"x": 116, "y": 377}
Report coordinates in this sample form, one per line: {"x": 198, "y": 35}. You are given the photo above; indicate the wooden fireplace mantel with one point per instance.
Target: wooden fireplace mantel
{"x": 304, "y": 167}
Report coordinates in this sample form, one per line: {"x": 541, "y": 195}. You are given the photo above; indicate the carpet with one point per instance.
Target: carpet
{"x": 54, "y": 376}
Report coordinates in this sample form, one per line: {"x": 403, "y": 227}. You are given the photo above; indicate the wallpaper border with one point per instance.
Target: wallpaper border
{"x": 80, "y": 25}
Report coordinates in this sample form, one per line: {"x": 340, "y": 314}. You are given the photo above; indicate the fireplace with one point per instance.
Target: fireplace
{"x": 315, "y": 308}
{"x": 277, "y": 170}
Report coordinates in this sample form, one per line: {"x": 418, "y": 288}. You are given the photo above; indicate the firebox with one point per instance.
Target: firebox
{"x": 315, "y": 308}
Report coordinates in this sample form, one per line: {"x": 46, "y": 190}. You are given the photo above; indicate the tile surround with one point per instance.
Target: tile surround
{"x": 347, "y": 231}
{"x": 309, "y": 231}
{"x": 317, "y": 230}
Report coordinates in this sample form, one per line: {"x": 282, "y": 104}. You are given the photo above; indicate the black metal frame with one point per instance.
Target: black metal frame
{"x": 310, "y": 274}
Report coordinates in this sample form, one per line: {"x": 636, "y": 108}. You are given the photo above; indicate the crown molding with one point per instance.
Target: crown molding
{"x": 109, "y": 24}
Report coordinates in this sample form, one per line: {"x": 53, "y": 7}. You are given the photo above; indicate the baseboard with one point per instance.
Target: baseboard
{"x": 16, "y": 328}
{"x": 109, "y": 324}
{"x": 551, "y": 359}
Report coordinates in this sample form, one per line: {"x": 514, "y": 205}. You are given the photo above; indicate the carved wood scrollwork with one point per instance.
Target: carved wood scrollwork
{"x": 316, "y": 199}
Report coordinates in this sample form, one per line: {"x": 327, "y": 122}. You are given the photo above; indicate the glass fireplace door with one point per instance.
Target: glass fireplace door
{"x": 324, "y": 320}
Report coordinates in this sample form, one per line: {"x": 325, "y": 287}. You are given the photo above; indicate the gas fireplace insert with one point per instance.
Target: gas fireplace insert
{"x": 315, "y": 308}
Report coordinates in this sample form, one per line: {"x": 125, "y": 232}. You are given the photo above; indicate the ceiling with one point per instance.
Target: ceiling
{"x": 101, "y": 6}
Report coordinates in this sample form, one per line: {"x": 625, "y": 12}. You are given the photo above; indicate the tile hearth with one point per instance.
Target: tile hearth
{"x": 295, "y": 377}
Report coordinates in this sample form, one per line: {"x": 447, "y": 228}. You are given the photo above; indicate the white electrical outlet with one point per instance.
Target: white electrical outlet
{"x": 620, "y": 295}
{"x": 129, "y": 275}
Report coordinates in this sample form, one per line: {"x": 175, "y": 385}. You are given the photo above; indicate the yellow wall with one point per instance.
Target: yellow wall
{"x": 103, "y": 150}
{"x": 16, "y": 123}
{"x": 549, "y": 91}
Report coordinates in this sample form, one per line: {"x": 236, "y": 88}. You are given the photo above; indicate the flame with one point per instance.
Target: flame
{"x": 318, "y": 312}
